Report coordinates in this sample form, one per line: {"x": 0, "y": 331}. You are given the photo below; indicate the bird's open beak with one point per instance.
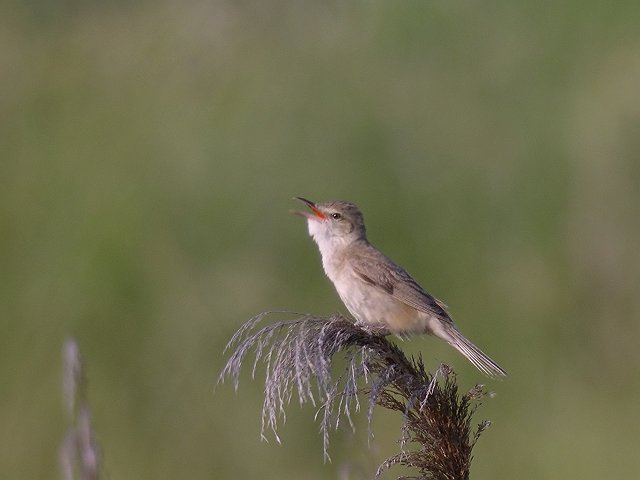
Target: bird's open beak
{"x": 317, "y": 213}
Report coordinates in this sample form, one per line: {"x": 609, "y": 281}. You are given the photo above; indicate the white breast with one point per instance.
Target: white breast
{"x": 368, "y": 304}
{"x": 373, "y": 306}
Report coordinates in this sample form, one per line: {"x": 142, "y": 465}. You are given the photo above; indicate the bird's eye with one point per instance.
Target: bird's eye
{"x": 336, "y": 216}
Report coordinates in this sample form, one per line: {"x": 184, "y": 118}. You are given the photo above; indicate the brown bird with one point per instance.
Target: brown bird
{"x": 378, "y": 292}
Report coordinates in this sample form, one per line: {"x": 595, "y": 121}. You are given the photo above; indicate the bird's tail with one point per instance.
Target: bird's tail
{"x": 476, "y": 356}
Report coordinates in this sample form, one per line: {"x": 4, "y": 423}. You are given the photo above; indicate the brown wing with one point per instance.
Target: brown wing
{"x": 378, "y": 270}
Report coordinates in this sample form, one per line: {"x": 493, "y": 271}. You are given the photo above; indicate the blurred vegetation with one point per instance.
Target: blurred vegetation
{"x": 149, "y": 154}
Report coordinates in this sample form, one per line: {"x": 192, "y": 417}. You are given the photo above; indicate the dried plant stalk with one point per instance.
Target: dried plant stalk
{"x": 437, "y": 438}
{"x": 79, "y": 452}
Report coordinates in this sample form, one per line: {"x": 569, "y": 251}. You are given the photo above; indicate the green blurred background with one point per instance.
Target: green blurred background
{"x": 150, "y": 151}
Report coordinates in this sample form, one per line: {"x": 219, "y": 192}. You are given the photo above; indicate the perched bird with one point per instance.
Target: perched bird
{"x": 379, "y": 293}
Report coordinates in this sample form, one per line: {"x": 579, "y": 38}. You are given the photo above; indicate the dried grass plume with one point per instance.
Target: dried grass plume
{"x": 297, "y": 354}
{"x": 79, "y": 452}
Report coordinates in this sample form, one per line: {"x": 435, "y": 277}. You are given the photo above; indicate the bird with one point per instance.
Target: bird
{"x": 378, "y": 293}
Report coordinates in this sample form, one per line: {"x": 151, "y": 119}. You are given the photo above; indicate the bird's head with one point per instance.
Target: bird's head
{"x": 337, "y": 223}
